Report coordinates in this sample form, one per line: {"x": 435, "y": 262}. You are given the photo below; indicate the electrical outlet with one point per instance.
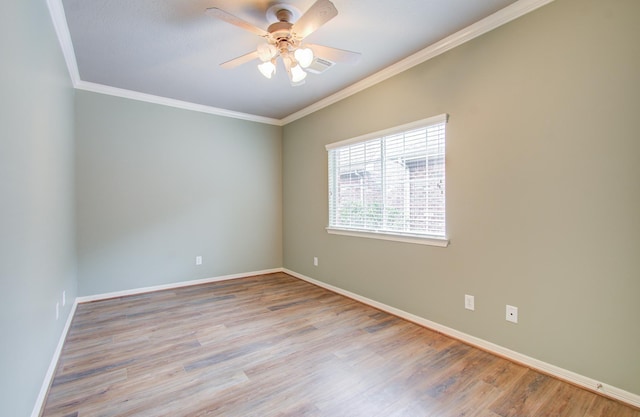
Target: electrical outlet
{"x": 512, "y": 314}
{"x": 198, "y": 260}
{"x": 315, "y": 261}
{"x": 469, "y": 302}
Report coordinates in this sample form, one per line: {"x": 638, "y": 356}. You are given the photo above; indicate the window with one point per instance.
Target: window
{"x": 391, "y": 184}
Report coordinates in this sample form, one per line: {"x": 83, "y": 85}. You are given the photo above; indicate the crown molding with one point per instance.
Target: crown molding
{"x": 150, "y": 98}
{"x": 499, "y": 18}
{"x": 56, "y": 9}
{"x": 64, "y": 37}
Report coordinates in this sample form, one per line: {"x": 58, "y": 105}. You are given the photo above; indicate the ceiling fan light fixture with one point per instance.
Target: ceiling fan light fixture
{"x": 297, "y": 75}
{"x": 304, "y": 56}
{"x": 294, "y": 70}
{"x": 267, "y": 69}
{"x": 284, "y": 40}
{"x": 266, "y": 51}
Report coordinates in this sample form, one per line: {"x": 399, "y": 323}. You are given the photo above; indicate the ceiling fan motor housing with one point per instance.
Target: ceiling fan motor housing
{"x": 280, "y": 30}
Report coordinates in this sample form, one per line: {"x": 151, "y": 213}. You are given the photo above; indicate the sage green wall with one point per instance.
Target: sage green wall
{"x": 157, "y": 186}
{"x": 37, "y": 252}
{"x": 543, "y": 189}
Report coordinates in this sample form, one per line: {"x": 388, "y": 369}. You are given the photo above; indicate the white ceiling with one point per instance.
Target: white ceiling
{"x": 170, "y": 49}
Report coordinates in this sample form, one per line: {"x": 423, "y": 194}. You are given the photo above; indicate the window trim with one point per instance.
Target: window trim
{"x": 396, "y": 237}
{"x": 392, "y": 236}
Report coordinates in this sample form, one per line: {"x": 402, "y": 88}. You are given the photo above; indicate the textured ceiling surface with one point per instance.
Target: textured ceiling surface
{"x": 172, "y": 49}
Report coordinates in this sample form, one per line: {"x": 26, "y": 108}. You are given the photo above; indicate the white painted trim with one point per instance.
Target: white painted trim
{"x": 136, "y": 291}
{"x": 56, "y": 9}
{"x": 64, "y": 37}
{"x": 566, "y": 375}
{"x": 555, "y": 371}
{"x": 150, "y": 98}
{"x": 420, "y": 240}
{"x": 48, "y": 378}
{"x": 499, "y": 18}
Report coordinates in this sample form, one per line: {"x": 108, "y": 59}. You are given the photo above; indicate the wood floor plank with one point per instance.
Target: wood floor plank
{"x": 273, "y": 345}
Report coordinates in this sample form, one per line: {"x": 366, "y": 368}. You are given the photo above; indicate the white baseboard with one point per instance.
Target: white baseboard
{"x": 180, "y": 284}
{"x": 546, "y": 368}
{"x": 48, "y": 378}
{"x": 563, "y": 374}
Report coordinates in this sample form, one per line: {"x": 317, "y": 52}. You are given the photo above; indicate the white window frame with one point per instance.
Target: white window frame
{"x": 424, "y": 239}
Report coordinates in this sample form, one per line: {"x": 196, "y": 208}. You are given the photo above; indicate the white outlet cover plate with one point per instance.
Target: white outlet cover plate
{"x": 512, "y": 314}
{"x": 469, "y": 302}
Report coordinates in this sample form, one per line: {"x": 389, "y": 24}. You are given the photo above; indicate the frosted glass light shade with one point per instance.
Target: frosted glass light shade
{"x": 266, "y": 52}
{"x": 297, "y": 74}
{"x": 267, "y": 69}
{"x": 304, "y": 56}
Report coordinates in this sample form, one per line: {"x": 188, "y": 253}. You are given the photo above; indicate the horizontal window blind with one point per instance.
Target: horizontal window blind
{"x": 393, "y": 183}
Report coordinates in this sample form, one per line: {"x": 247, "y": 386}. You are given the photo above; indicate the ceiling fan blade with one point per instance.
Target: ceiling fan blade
{"x": 318, "y": 14}
{"x": 335, "y": 54}
{"x": 240, "y": 60}
{"x": 234, "y": 20}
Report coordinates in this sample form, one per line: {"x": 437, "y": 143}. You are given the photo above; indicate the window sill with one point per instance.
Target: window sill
{"x": 420, "y": 240}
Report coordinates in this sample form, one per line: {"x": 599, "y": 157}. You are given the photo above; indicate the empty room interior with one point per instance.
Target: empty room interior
{"x": 136, "y": 221}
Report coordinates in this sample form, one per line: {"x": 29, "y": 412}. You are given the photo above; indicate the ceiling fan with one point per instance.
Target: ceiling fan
{"x": 284, "y": 39}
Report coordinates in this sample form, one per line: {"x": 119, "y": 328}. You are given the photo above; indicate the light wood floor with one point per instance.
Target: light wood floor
{"x": 276, "y": 346}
